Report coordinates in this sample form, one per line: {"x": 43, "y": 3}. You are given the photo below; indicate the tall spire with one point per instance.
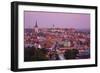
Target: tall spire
{"x": 53, "y": 25}
{"x": 36, "y": 24}
{"x": 36, "y": 27}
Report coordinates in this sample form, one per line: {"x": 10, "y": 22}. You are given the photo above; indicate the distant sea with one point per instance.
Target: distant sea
{"x": 83, "y": 30}
{"x": 78, "y": 30}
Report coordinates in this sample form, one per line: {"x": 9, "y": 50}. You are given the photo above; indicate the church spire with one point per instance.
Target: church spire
{"x": 53, "y": 25}
{"x": 36, "y": 24}
{"x": 36, "y": 27}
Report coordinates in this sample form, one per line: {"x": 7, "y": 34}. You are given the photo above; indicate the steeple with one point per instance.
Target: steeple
{"x": 53, "y": 25}
{"x": 36, "y": 25}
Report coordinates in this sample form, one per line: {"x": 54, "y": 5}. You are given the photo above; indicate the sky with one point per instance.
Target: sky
{"x": 58, "y": 19}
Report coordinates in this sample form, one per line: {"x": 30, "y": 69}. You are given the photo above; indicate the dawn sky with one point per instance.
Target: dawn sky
{"x": 60, "y": 20}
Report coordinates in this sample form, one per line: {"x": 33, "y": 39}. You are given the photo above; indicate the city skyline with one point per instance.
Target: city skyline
{"x": 57, "y": 20}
